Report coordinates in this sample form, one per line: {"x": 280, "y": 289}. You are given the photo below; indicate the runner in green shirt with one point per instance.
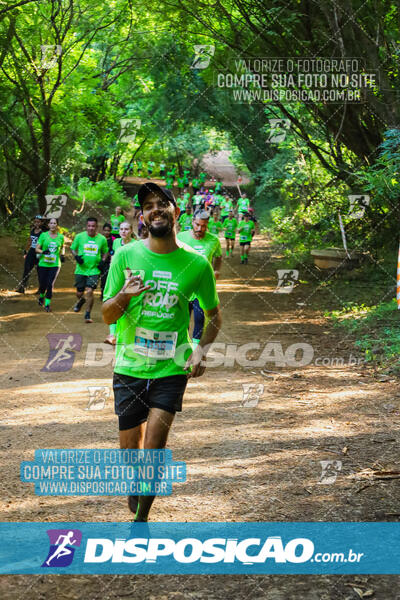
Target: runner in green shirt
{"x": 215, "y": 225}
{"x": 181, "y": 183}
{"x": 230, "y": 225}
{"x": 90, "y": 250}
{"x": 197, "y": 201}
{"x": 246, "y": 233}
{"x": 170, "y": 179}
{"x": 147, "y": 293}
{"x": 218, "y": 185}
{"x": 186, "y": 195}
{"x": 126, "y": 237}
{"x": 50, "y": 249}
{"x": 243, "y": 205}
{"x": 202, "y": 177}
{"x": 185, "y": 220}
{"x": 139, "y": 167}
{"x": 196, "y": 184}
{"x": 186, "y": 173}
{"x": 162, "y": 169}
{"x": 150, "y": 167}
{"x": 226, "y": 207}
{"x": 182, "y": 203}
{"x": 116, "y": 219}
{"x": 209, "y": 246}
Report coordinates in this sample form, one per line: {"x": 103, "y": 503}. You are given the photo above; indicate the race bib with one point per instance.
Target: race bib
{"x": 90, "y": 249}
{"x": 155, "y": 344}
{"x": 49, "y": 258}
{"x": 243, "y": 238}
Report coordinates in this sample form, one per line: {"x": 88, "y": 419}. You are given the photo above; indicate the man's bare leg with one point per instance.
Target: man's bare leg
{"x": 158, "y": 425}
{"x": 132, "y": 439}
{"x": 89, "y": 293}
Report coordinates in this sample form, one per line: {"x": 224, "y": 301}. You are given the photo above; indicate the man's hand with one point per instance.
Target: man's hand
{"x": 195, "y": 361}
{"x": 79, "y": 259}
{"x": 134, "y": 285}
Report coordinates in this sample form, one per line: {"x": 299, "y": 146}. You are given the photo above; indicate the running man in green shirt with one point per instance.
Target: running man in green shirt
{"x": 243, "y": 205}
{"x": 170, "y": 179}
{"x": 90, "y": 250}
{"x": 126, "y": 237}
{"x": 226, "y": 207}
{"x": 185, "y": 220}
{"x": 147, "y": 293}
{"x": 202, "y": 177}
{"x": 150, "y": 167}
{"x": 196, "y": 184}
{"x": 182, "y": 203}
{"x": 50, "y": 249}
{"x": 162, "y": 169}
{"x": 116, "y": 219}
{"x": 209, "y": 246}
{"x": 214, "y": 224}
{"x": 246, "y": 233}
{"x": 230, "y": 225}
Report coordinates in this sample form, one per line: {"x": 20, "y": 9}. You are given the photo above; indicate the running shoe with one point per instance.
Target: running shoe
{"x": 87, "y": 317}
{"x": 20, "y": 289}
{"x": 41, "y": 301}
{"x": 110, "y": 339}
{"x": 47, "y": 308}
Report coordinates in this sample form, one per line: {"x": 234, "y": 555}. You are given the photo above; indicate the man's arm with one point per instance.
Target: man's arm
{"x": 217, "y": 262}
{"x": 210, "y": 332}
{"x": 115, "y": 307}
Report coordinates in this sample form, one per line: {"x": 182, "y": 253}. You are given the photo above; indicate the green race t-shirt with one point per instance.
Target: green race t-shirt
{"x": 245, "y": 231}
{"x": 209, "y": 246}
{"x": 152, "y": 334}
{"x": 243, "y": 205}
{"x": 182, "y": 203}
{"x": 197, "y": 199}
{"x": 117, "y": 243}
{"x": 214, "y": 227}
{"x": 185, "y": 221}
{"x": 136, "y": 202}
{"x": 226, "y": 207}
{"x": 230, "y": 226}
{"x": 196, "y": 183}
{"x": 116, "y": 221}
{"x": 186, "y": 196}
{"x": 91, "y": 249}
{"x": 218, "y": 186}
{"x": 54, "y": 245}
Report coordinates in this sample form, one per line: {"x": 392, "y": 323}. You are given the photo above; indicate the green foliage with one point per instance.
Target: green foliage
{"x": 101, "y": 196}
{"x": 376, "y": 329}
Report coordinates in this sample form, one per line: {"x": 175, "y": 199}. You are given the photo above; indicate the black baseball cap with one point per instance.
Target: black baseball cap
{"x": 153, "y": 188}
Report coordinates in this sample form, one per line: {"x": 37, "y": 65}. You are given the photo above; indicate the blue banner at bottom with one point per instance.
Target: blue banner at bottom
{"x": 200, "y": 548}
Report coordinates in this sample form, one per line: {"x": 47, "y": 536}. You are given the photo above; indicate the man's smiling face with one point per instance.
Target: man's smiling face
{"x": 159, "y": 215}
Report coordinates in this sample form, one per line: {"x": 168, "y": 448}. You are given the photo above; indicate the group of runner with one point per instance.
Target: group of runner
{"x": 149, "y": 287}
{"x": 222, "y": 210}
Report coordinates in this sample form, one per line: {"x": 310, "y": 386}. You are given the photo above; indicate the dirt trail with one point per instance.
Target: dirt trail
{"x": 244, "y": 463}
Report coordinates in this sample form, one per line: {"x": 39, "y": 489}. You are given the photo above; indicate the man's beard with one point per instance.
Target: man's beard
{"x": 160, "y": 230}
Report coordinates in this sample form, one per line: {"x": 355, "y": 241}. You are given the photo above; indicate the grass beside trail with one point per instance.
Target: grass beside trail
{"x": 377, "y": 329}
